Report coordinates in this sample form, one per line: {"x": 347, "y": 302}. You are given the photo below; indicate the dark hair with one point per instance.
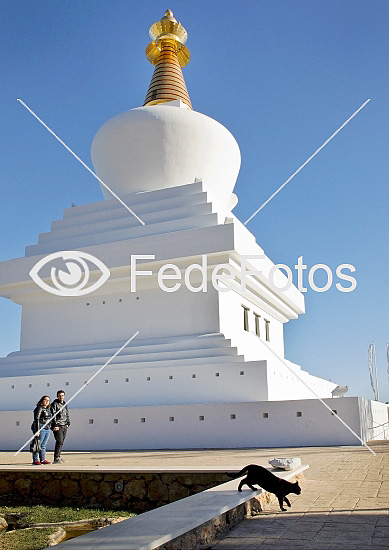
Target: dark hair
{"x": 60, "y": 391}
{"x": 40, "y": 402}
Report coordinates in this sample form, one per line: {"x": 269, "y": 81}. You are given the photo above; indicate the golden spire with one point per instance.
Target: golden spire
{"x": 168, "y": 53}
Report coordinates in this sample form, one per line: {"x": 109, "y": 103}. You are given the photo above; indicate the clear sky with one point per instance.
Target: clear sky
{"x": 282, "y": 76}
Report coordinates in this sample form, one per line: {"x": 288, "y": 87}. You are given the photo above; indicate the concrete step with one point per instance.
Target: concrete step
{"x": 134, "y": 199}
{"x": 127, "y": 221}
{"x": 54, "y": 367}
{"x": 102, "y": 356}
{"x": 60, "y": 362}
{"x": 183, "y": 224}
{"x": 120, "y": 212}
{"x": 180, "y": 343}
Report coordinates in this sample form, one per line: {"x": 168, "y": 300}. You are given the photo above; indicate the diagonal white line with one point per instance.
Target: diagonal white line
{"x": 82, "y": 387}
{"x": 306, "y": 162}
{"x": 317, "y": 397}
{"x": 81, "y": 161}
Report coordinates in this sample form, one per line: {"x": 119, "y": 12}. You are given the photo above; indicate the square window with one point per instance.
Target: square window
{"x": 245, "y": 317}
{"x": 116, "y": 421}
{"x": 17, "y": 423}
{"x": 170, "y": 377}
{"x": 120, "y": 300}
{"x": 193, "y": 376}
{"x": 232, "y": 416}
{"x": 127, "y": 379}
{"x": 13, "y": 387}
{"x": 143, "y": 420}
{"x": 267, "y": 330}
{"x": 106, "y": 381}
{"x": 148, "y": 379}
{"x": 48, "y": 384}
{"x": 299, "y": 413}
{"x": 66, "y": 383}
{"x": 257, "y": 326}
{"x": 217, "y": 374}
{"x": 201, "y": 417}
{"x": 241, "y": 373}
{"x": 265, "y": 415}
{"x": 171, "y": 418}
{"x": 91, "y": 421}
{"x": 30, "y": 385}
{"x": 88, "y": 304}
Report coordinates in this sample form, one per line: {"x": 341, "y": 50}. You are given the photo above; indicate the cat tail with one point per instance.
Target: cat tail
{"x": 239, "y": 474}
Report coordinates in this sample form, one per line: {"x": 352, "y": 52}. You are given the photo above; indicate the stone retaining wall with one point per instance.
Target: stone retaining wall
{"x": 137, "y": 492}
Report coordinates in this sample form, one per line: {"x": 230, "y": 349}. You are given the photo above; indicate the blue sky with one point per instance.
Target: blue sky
{"x": 282, "y": 76}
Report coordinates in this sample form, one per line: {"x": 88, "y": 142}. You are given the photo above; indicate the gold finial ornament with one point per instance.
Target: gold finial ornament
{"x": 169, "y": 16}
{"x": 168, "y": 53}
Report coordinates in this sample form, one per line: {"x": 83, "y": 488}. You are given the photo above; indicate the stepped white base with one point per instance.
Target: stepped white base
{"x": 202, "y": 368}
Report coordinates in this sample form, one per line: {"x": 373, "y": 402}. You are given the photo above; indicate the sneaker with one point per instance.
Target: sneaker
{"x": 62, "y": 460}
{"x": 45, "y": 462}
{"x": 36, "y": 463}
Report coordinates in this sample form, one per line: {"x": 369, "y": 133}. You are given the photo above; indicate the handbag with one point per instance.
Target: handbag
{"x": 35, "y": 445}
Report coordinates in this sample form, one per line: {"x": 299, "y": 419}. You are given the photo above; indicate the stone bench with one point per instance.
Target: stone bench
{"x": 185, "y": 524}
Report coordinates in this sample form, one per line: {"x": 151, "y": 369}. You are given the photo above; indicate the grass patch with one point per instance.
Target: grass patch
{"x": 36, "y": 539}
{"x": 54, "y": 514}
{"x": 26, "y": 539}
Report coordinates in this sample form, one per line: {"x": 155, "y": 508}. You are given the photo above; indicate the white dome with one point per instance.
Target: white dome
{"x": 166, "y": 145}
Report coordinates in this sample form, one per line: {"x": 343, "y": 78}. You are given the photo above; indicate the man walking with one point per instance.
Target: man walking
{"x": 60, "y": 424}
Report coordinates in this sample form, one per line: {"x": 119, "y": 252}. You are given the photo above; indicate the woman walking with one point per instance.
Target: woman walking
{"x": 42, "y": 415}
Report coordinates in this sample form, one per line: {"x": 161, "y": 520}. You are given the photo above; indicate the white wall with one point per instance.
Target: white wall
{"x": 153, "y": 312}
{"x": 287, "y": 383}
{"x": 128, "y": 387}
{"x": 316, "y": 427}
{"x": 375, "y": 417}
{"x": 281, "y": 382}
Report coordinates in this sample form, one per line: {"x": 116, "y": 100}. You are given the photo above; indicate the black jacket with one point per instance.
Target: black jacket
{"x": 62, "y": 418}
{"x": 41, "y": 416}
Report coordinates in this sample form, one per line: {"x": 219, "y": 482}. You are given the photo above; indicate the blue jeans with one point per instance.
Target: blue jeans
{"x": 44, "y": 437}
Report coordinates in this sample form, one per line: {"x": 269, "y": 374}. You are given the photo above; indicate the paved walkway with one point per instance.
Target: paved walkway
{"x": 203, "y": 459}
{"x": 344, "y": 505}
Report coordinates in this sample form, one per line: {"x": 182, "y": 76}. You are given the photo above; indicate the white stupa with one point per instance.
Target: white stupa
{"x": 207, "y": 368}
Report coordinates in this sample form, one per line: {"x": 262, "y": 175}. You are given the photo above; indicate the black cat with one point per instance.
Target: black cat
{"x": 257, "y": 475}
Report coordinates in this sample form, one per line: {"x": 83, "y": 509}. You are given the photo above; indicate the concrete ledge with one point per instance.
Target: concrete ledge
{"x": 187, "y": 523}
